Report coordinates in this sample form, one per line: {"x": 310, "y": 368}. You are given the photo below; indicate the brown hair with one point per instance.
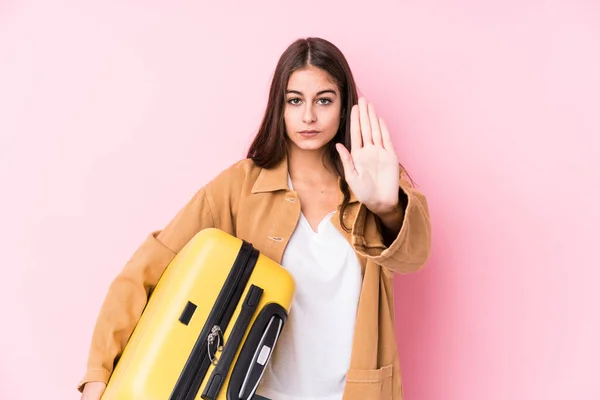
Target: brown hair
{"x": 269, "y": 146}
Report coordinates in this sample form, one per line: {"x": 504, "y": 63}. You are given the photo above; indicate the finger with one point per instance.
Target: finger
{"x": 365, "y": 125}
{"x": 375, "y": 130}
{"x": 355, "y": 136}
{"x": 385, "y": 136}
{"x": 347, "y": 162}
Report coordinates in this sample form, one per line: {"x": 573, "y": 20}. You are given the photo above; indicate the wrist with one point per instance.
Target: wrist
{"x": 391, "y": 219}
{"x": 385, "y": 211}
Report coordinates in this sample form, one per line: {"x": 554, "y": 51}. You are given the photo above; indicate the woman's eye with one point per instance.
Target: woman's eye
{"x": 296, "y": 101}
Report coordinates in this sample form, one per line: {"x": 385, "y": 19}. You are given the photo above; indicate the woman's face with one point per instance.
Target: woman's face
{"x": 313, "y": 108}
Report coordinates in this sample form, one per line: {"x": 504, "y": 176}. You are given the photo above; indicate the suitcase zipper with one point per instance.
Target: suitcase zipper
{"x": 217, "y": 378}
{"x": 215, "y": 332}
{"x": 199, "y": 360}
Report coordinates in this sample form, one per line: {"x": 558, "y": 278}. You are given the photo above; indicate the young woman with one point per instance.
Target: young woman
{"x": 321, "y": 192}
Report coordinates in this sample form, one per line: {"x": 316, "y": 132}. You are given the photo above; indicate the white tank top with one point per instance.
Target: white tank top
{"x": 313, "y": 352}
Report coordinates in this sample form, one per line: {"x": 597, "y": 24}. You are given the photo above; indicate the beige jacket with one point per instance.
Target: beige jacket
{"x": 257, "y": 205}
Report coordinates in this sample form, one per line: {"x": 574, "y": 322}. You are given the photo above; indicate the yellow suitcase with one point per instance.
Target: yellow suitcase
{"x": 210, "y": 325}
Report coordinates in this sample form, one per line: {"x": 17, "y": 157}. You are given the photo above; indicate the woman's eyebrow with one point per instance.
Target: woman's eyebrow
{"x": 318, "y": 94}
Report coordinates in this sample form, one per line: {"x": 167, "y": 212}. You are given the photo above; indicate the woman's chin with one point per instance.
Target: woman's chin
{"x": 315, "y": 146}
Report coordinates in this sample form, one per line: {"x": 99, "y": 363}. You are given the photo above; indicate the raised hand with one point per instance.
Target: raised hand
{"x": 371, "y": 168}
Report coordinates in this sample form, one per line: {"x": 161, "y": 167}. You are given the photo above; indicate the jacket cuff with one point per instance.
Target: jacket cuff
{"x": 94, "y": 375}
{"x": 374, "y": 247}
{"x": 409, "y": 249}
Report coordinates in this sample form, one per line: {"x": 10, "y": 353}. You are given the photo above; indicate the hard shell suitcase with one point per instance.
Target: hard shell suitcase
{"x": 209, "y": 327}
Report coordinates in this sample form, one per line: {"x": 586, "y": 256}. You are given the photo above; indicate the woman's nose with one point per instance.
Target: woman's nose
{"x": 309, "y": 114}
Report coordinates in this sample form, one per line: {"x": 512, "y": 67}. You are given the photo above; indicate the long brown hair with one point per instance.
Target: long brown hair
{"x": 269, "y": 146}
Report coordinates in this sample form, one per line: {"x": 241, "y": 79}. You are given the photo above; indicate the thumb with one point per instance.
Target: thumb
{"x": 347, "y": 161}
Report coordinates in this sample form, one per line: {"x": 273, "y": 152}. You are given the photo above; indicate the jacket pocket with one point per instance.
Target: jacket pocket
{"x": 372, "y": 384}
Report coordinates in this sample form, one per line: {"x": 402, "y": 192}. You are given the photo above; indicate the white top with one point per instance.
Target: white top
{"x": 313, "y": 352}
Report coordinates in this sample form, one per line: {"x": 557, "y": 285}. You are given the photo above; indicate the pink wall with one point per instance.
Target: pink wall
{"x": 106, "y": 111}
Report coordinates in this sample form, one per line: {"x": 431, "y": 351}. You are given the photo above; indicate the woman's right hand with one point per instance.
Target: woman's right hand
{"x": 93, "y": 390}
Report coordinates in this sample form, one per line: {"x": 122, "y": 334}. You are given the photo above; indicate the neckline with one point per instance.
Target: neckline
{"x": 303, "y": 218}
{"x": 320, "y": 225}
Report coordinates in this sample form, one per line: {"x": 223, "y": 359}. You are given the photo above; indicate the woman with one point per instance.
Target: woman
{"x": 321, "y": 192}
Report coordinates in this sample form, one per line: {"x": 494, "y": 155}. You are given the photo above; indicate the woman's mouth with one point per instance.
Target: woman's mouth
{"x": 308, "y": 133}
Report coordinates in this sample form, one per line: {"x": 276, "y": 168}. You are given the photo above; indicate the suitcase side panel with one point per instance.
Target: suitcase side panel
{"x": 160, "y": 344}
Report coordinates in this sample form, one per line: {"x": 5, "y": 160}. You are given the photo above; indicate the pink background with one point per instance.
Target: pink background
{"x": 106, "y": 114}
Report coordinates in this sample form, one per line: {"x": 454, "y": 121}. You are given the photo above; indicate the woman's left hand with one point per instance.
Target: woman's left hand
{"x": 371, "y": 168}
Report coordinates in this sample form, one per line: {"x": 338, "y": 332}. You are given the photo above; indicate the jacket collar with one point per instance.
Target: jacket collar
{"x": 276, "y": 178}
{"x": 272, "y": 179}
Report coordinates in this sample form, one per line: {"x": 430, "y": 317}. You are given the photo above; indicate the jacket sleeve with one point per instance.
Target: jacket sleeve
{"x": 128, "y": 293}
{"x": 411, "y": 248}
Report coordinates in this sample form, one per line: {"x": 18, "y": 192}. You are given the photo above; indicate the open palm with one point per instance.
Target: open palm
{"x": 371, "y": 168}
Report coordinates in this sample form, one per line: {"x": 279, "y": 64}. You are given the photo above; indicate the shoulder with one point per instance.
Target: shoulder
{"x": 240, "y": 171}
{"x": 238, "y": 177}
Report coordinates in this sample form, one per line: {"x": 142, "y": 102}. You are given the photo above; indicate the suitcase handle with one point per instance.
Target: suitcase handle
{"x": 263, "y": 353}
{"x": 256, "y": 352}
